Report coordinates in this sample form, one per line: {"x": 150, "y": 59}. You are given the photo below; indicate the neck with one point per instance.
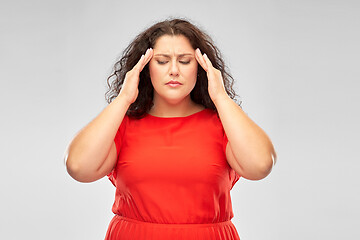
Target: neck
{"x": 182, "y": 108}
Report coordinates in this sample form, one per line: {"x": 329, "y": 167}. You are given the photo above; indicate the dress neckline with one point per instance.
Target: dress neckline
{"x": 184, "y": 117}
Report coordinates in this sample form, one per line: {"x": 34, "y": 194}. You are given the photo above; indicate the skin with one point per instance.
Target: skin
{"x": 249, "y": 150}
{"x": 173, "y": 59}
{"x": 91, "y": 155}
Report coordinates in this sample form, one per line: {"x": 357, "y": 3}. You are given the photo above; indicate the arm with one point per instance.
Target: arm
{"x": 249, "y": 151}
{"x": 92, "y": 153}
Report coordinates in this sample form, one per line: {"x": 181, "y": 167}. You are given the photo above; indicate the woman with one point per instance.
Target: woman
{"x": 172, "y": 140}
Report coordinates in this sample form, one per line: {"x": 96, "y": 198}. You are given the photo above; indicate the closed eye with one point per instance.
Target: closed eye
{"x": 184, "y": 62}
{"x": 162, "y": 62}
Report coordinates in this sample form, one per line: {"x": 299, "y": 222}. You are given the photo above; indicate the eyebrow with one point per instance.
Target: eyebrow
{"x": 168, "y": 56}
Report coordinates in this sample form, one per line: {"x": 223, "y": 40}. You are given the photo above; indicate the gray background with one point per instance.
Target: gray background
{"x": 295, "y": 65}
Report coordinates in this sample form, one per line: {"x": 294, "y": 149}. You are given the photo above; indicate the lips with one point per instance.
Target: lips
{"x": 173, "y": 82}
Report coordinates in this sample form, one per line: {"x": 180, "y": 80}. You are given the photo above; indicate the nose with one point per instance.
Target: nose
{"x": 174, "y": 69}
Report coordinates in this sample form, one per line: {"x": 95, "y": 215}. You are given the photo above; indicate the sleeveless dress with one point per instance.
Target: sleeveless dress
{"x": 172, "y": 179}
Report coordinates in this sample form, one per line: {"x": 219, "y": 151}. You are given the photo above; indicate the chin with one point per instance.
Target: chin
{"x": 174, "y": 101}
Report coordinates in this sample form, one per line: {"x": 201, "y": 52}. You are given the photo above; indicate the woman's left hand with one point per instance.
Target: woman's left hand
{"x": 215, "y": 81}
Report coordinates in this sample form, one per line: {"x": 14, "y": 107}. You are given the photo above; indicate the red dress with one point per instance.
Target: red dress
{"x": 172, "y": 179}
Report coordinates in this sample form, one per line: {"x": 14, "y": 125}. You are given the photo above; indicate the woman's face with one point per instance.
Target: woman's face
{"x": 173, "y": 60}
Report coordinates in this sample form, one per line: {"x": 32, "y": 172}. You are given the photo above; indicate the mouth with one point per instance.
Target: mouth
{"x": 173, "y": 83}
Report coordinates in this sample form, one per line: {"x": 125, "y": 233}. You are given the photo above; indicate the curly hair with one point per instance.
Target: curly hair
{"x": 147, "y": 39}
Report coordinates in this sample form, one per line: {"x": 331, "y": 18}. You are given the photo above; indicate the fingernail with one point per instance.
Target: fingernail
{"x": 205, "y": 55}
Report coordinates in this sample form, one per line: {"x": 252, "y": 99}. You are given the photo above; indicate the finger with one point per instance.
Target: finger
{"x": 207, "y": 60}
{"x": 139, "y": 63}
{"x": 199, "y": 57}
{"x": 148, "y": 55}
{"x": 213, "y": 71}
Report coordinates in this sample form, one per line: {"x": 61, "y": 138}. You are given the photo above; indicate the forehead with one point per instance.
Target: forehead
{"x": 172, "y": 44}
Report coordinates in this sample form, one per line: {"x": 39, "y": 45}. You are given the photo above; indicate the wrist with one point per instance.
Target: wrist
{"x": 221, "y": 98}
{"x": 123, "y": 100}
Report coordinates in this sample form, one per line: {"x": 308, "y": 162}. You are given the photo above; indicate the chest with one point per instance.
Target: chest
{"x": 172, "y": 153}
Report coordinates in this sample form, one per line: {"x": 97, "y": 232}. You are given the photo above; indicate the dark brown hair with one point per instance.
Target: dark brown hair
{"x": 131, "y": 55}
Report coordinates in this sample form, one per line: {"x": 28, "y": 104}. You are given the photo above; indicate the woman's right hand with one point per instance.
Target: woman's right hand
{"x": 129, "y": 89}
{"x": 92, "y": 153}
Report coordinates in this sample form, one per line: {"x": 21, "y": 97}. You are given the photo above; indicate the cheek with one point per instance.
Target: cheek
{"x": 154, "y": 70}
{"x": 191, "y": 72}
